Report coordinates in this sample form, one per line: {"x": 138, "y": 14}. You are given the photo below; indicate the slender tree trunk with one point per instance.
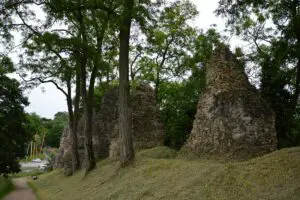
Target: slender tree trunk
{"x": 75, "y": 154}
{"x": 31, "y": 149}
{"x": 72, "y": 129}
{"x": 71, "y": 121}
{"x": 89, "y": 135}
{"x": 88, "y": 96}
{"x": 88, "y": 117}
{"x": 157, "y": 82}
{"x": 132, "y": 75}
{"x": 88, "y": 111}
{"x": 125, "y": 131}
{"x": 160, "y": 67}
{"x": 88, "y": 143}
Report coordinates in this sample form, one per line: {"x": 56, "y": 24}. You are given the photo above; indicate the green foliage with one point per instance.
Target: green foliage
{"x": 169, "y": 38}
{"x": 35, "y": 124}
{"x": 170, "y": 59}
{"x": 179, "y": 99}
{"x": 179, "y": 106}
{"x": 55, "y": 128}
{"x": 5, "y": 186}
{"x": 13, "y": 132}
{"x": 6, "y": 65}
{"x": 52, "y": 129}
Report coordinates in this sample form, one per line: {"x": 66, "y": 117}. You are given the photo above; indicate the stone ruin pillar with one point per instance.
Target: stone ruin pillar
{"x": 232, "y": 120}
{"x": 147, "y": 128}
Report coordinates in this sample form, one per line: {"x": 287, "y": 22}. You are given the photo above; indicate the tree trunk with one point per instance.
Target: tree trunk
{"x": 87, "y": 106}
{"x": 73, "y": 133}
{"x": 75, "y": 154}
{"x": 157, "y": 82}
{"x": 125, "y": 131}
{"x": 88, "y": 117}
{"x": 160, "y": 67}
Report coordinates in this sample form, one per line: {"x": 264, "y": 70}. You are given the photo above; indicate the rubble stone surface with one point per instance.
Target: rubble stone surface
{"x": 147, "y": 127}
{"x": 232, "y": 119}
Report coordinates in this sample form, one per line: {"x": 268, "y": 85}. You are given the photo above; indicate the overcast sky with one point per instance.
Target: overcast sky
{"x": 47, "y": 100}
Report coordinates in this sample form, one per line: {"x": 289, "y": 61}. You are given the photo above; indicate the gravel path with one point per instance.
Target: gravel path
{"x": 22, "y": 191}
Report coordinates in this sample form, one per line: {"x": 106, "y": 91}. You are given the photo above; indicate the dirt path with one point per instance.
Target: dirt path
{"x": 22, "y": 191}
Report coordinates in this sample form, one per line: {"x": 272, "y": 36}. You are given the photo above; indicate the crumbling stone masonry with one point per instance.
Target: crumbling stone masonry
{"x": 232, "y": 120}
{"x": 147, "y": 127}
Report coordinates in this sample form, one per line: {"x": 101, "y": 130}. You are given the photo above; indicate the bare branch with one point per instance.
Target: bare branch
{"x": 45, "y": 81}
{"x": 133, "y": 62}
{"x": 63, "y": 30}
{"x": 27, "y": 25}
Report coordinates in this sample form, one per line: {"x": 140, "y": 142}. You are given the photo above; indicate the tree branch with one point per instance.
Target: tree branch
{"x": 45, "y": 81}
{"x": 17, "y": 3}
{"x": 63, "y": 30}
{"x": 27, "y": 25}
{"x": 132, "y": 74}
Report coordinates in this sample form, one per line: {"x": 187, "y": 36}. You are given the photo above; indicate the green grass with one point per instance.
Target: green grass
{"x": 159, "y": 152}
{"x": 5, "y": 186}
{"x": 275, "y": 176}
{"x": 36, "y": 191}
{"x": 25, "y": 174}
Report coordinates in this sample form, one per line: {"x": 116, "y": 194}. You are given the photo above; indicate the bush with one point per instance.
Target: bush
{"x": 5, "y": 186}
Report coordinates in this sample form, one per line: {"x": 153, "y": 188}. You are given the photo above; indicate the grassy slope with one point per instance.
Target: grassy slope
{"x": 5, "y": 186}
{"x": 273, "y": 176}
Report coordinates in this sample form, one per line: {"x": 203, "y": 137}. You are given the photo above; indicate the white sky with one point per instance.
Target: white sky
{"x": 48, "y": 101}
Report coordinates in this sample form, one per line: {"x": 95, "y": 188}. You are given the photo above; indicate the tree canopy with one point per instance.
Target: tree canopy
{"x": 13, "y": 129}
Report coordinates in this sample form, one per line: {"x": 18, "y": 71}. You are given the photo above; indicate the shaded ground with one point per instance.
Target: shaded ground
{"x": 275, "y": 176}
{"x": 22, "y": 191}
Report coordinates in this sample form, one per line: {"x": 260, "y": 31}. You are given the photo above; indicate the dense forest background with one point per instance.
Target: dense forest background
{"x": 85, "y": 47}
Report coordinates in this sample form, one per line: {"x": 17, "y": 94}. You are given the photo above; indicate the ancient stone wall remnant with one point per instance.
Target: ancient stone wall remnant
{"x": 232, "y": 119}
{"x": 147, "y": 127}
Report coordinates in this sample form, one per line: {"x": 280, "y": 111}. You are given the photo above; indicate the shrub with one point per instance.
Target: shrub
{"x": 5, "y": 186}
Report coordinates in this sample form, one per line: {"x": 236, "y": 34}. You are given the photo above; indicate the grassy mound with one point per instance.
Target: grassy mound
{"x": 274, "y": 176}
{"x": 5, "y": 186}
{"x": 159, "y": 152}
